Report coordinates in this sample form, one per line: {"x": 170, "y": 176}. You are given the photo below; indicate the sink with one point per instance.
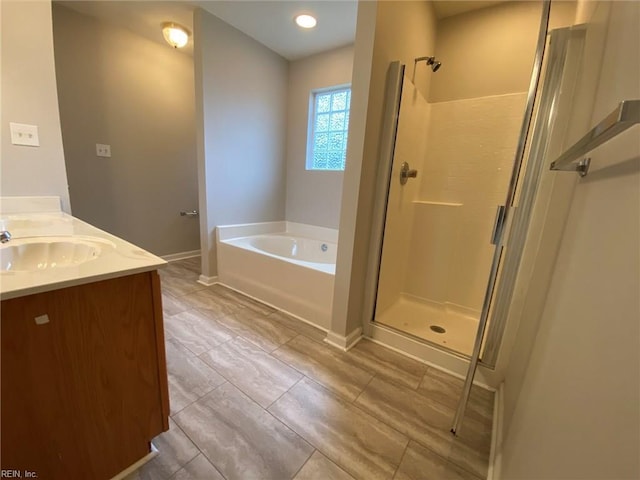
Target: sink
{"x": 45, "y": 253}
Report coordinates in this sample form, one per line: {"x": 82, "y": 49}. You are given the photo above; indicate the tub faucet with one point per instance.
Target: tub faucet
{"x": 5, "y": 236}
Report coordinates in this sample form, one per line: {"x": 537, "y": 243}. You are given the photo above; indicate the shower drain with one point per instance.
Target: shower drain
{"x": 437, "y": 329}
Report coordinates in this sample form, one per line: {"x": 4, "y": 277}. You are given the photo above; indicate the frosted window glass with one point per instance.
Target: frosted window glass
{"x": 322, "y": 122}
{"x": 324, "y": 101}
{"x": 339, "y": 101}
{"x": 337, "y": 121}
{"x": 329, "y": 129}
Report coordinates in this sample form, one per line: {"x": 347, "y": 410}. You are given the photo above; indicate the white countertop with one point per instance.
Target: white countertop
{"x": 118, "y": 257}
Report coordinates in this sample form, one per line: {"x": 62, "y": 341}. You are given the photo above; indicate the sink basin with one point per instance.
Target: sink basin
{"x": 44, "y": 253}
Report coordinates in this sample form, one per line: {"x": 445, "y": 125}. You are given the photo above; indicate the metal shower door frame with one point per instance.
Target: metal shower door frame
{"x": 503, "y": 215}
{"x": 565, "y": 47}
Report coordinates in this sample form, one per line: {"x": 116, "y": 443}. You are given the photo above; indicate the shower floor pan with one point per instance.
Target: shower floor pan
{"x": 436, "y": 324}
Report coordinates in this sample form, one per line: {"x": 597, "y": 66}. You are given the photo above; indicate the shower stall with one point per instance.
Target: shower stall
{"x": 452, "y": 166}
{"x": 453, "y": 161}
{"x": 436, "y": 252}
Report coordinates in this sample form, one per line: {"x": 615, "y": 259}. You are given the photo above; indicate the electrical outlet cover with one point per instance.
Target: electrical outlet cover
{"x": 103, "y": 150}
{"x": 22, "y": 134}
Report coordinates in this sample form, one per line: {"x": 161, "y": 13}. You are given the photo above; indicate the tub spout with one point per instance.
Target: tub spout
{"x": 5, "y": 236}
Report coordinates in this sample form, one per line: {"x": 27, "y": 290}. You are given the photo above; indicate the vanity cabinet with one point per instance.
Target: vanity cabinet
{"x": 84, "y": 381}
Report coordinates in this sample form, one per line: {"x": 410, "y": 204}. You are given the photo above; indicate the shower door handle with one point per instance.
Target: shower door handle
{"x": 406, "y": 173}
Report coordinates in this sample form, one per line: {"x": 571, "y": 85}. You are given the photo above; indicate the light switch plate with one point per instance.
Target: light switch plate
{"x": 22, "y": 134}
{"x": 103, "y": 150}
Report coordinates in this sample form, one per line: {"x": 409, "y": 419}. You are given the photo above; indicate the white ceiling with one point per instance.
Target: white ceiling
{"x": 268, "y": 22}
{"x": 449, "y": 8}
{"x": 271, "y": 23}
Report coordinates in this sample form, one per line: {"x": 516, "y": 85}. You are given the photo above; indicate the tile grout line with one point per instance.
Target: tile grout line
{"x": 195, "y": 444}
{"x": 363, "y": 389}
{"x": 285, "y": 362}
{"x": 191, "y": 403}
{"x": 302, "y": 436}
{"x": 192, "y": 443}
{"x": 338, "y": 398}
{"x": 253, "y": 331}
{"x": 282, "y": 395}
{"x": 375, "y": 373}
{"x": 228, "y": 380}
{"x": 305, "y": 462}
{"x": 447, "y": 460}
{"x": 404, "y": 452}
{"x": 173, "y": 476}
{"x": 409, "y": 437}
{"x": 325, "y": 386}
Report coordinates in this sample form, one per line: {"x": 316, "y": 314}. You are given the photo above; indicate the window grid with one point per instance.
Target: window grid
{"x": 330, "y": 129}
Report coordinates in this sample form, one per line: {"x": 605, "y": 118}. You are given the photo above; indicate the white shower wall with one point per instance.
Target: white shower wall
{"x": 438, "y": 227}
{"x": 464, "y": 177}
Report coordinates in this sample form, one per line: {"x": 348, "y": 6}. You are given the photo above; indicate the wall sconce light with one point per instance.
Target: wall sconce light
{"x": 176, "y": 35}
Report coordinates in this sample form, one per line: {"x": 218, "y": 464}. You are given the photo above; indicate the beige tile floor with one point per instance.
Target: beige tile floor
{"x": 256, "y": 394}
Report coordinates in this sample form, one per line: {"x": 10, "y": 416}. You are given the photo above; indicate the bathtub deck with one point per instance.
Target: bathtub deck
{"x": 256, "y": 394}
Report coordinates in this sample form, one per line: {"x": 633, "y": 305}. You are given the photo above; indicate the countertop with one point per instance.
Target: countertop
{"x": 117, "y": 257}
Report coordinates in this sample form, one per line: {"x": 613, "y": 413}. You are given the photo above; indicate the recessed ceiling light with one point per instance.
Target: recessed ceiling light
{"x": 306, "y": 21}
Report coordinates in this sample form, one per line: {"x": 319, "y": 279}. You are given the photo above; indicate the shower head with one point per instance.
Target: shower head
{"x": 431, "y": 61}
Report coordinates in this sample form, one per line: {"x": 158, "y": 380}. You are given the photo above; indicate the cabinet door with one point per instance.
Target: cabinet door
{"x": 81, "y": 389}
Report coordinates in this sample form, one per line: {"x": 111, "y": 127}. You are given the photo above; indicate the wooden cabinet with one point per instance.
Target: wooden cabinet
{"x": 84, "y": 381}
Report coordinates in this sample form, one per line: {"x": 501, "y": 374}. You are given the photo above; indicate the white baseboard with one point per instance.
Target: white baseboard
{"x": 495, "y": 456}
{"x": 208, "y": 281}
{"x": 344, "y": 343}
{"x": 180, "y": 255}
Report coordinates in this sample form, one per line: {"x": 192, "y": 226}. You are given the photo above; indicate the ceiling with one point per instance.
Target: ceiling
{"x": 449, "y": 8}
{"x": 268, "y": 22}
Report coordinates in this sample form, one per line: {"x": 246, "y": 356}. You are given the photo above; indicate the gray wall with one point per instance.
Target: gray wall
{"x": 241, "y": 95}
{"x": 121, "y": 89}
{"x": 577, "y": 408}
{"x": 29, "y": 96}
{"x": 313, "y": 197}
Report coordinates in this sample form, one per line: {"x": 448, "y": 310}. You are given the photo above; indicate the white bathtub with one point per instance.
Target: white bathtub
{"x": 288, "y": 265}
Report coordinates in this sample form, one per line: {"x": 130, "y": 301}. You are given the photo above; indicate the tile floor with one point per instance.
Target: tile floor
{"x": 256, "y": 394}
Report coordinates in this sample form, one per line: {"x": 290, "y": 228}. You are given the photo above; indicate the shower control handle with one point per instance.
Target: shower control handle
{"x": 406, "y": 173}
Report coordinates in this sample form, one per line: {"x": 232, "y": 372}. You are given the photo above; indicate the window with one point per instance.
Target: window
{"x": 328, "y": 129}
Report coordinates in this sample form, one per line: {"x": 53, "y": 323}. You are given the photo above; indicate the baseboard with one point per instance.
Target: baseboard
{"x": 208, "y": 281}
{"x": 180, "y": 255}
{"x": 344, "y": 343}
{"x": 137, "y": 465}
{"x": 495, "y": 456}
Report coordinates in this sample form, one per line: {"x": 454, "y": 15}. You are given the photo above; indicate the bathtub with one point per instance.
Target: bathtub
{"x": 288, "y": 265}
